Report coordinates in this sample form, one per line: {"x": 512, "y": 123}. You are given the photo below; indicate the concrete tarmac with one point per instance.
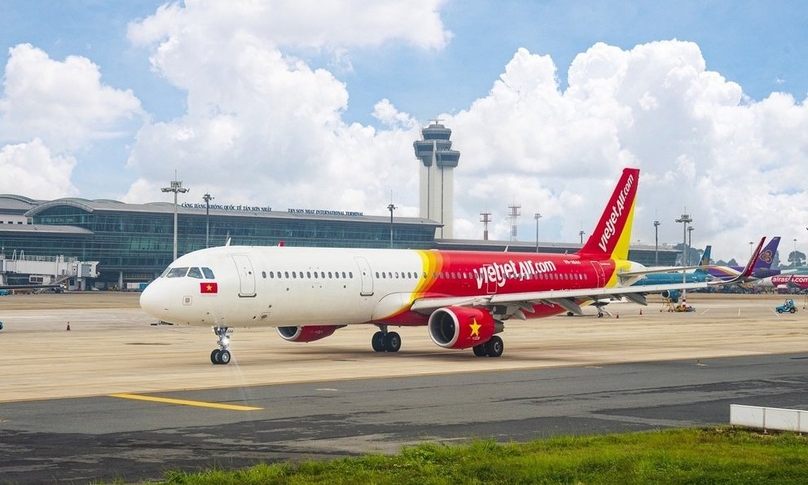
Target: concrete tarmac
{"x": 336, "y": 397}
{"x": 113, "y": 347}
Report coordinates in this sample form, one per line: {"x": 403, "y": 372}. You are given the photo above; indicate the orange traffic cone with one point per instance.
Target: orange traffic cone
{"x": 68, "y": 326}
{"x": 640, "y": 311}
{"x": 617, "y": 315}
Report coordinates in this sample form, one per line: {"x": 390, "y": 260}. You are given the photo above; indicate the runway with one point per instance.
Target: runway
{"x": 336, "y": 397}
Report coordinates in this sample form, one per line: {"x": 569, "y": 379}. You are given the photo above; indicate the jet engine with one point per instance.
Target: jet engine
{"x": 461, "y": 327}
{"x": 672, "y": 295}
{"x": 309, "y": 333}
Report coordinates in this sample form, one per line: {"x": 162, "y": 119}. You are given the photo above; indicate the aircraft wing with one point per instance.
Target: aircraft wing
{"x": 570, "y": 300}
{"x": 661, "y": 269}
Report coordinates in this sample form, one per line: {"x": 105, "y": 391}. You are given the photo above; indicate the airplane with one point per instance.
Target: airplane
{"x": 674, "y": 275}
{"x": 762, "y": 268}
{"x": 794, "y": 281}
{"x": 463, "y": 298}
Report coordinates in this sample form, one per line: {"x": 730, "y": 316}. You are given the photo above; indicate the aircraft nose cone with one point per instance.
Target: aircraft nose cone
{"x": 151, "y": 301}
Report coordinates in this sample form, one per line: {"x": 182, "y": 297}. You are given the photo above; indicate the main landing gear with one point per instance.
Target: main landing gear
{"x": 492, "y": 348}
{"x": 221, "y": 356}
{"x": 384, "y": 341}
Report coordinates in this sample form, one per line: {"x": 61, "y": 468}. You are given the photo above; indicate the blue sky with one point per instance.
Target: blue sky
{"x": 370, "y": 76}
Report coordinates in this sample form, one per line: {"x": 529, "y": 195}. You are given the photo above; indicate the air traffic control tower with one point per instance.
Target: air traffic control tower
{"x": 438, "y": 160}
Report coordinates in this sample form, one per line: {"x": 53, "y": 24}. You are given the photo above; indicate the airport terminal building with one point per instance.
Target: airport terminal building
{"x": 133, "y": 243}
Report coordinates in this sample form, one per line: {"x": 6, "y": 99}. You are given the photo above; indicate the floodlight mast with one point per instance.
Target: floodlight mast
{"x": 537, "y": 216}
{"x": 177, "y": 188}
{"x": 391, "y": 207}
{"x": 207, "y": 198}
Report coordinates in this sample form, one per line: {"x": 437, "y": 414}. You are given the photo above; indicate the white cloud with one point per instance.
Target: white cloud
{"x": 264, "y": 125}
{"x": 31, "y": 169}
{"x": 64, "y": 104}
{"x": 738, "y": 166}
{"x": 49, "y": 111}
{"x": 304, "y": 23}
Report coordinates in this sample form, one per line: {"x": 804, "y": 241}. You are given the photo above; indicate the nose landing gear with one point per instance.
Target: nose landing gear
{"x": 221, "y": 356}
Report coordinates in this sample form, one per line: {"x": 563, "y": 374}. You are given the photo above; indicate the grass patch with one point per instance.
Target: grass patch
{"x": 711, "y": 456}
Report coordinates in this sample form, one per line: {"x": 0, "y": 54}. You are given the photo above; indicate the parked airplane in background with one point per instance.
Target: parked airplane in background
{"x": 464, "y": 298}
{"x": 672, "y": 275}
{"x": 785, "y": 282}
{"x": 762, "y": 268}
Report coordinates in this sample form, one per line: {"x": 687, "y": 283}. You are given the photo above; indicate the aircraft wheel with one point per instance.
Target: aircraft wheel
{"x": 392, "y": 342}
{"x": 494, "y": 347}
{"x": 224, "y": 357}
{"x": 479, "y": 350}
{"x": 378, "y": 342}
{"x": 214, "y": 356}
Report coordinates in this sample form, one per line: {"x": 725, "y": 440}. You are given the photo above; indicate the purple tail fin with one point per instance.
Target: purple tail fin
{"x": 766, "y": 257}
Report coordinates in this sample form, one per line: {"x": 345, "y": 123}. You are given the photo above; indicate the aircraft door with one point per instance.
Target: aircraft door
{"x": 365, "y": 275}
{"x": 601, "y": 277}
{"x": 246, "y": 275}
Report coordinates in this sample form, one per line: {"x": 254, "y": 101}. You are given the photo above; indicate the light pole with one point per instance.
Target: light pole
{"x": 581, "y": 233}
{"x": 795, "y": 252}
{"x": 177, "y": 188}
{"x": 391, "y": 208}
{"x": 689, "y": 240}
{"x": 685, "y": 220}
{"x": 485, "y": 218}
{"x": 207, "y": 198}
{"x": 537, "y": 216}
{"x": 656, "y": 243}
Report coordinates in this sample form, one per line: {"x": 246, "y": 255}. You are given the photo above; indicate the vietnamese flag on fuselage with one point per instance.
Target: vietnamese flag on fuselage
{"x": 209, "y": 287}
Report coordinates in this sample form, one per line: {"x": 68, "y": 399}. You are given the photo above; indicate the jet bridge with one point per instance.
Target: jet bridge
{"x": 47, "y": 270}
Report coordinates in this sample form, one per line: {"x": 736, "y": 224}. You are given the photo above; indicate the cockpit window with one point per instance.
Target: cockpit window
{"x": 195, "y": 273}
{"x": 208, "y": 273}
{"x": 177, "y": 272}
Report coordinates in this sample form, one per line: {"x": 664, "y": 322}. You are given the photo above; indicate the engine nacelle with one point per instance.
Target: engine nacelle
{"x": 309, "y": 333}
{"x": 460, "y": 327}
{"x": 672, "y": 295}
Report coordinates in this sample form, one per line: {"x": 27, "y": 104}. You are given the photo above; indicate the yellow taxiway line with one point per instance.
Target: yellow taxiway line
{"x": 183, "y": 402}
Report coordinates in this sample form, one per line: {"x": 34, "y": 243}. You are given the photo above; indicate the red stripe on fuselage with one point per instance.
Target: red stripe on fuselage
{"x": 469, "y": 273}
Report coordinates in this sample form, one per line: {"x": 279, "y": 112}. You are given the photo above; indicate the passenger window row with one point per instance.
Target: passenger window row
{"x": 308, "y": 275}
{"x": 207, "y": 273}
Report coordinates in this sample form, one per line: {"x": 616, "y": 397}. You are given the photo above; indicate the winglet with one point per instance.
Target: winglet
{"x": 748, "y": 269}
{"x": 612, "y": 234}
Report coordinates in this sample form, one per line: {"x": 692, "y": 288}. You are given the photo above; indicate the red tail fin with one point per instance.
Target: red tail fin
{"x": 612, "y": 234}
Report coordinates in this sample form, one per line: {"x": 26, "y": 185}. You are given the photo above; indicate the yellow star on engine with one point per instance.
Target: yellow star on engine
{"x": 475, "y": 327}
